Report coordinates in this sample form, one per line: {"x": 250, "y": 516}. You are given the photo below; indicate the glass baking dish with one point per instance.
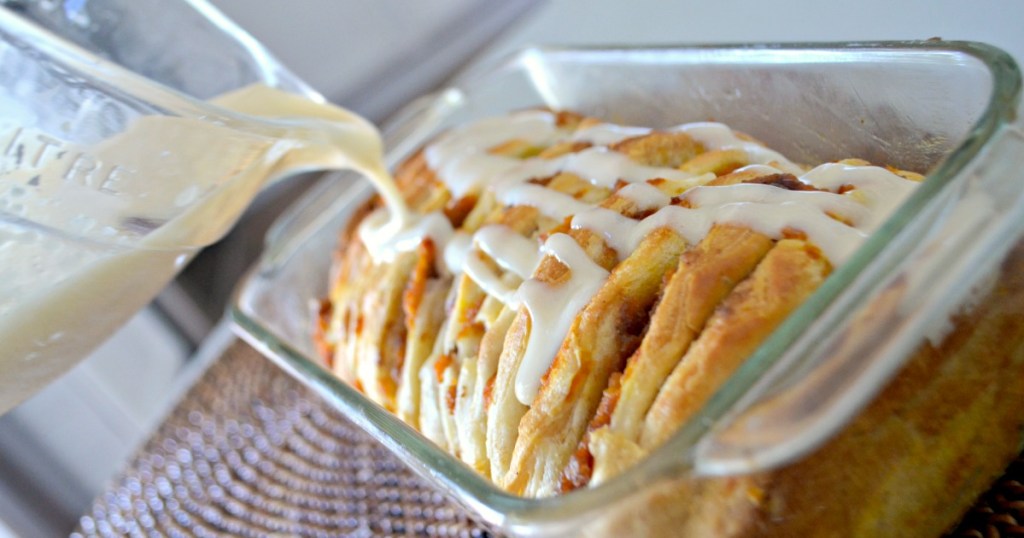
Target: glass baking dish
{"x": 946, "y": 109}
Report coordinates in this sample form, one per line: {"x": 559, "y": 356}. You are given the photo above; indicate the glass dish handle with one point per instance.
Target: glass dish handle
{"x": 818, "y": 387}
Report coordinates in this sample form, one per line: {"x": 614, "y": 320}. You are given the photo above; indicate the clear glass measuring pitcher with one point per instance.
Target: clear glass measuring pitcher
{"x": 111, "y": 182}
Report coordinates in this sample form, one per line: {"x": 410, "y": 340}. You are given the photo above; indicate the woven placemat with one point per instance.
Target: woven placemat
{"x": 250, "y": 452}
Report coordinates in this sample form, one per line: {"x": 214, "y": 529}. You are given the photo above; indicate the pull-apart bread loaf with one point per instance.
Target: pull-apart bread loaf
{"x": 583, "y": 288}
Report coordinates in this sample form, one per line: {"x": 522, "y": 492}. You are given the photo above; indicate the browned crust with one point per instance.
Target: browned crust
{"x": 382, "y": 332}
{"x": 506, "y": 412}
{"x": 580, "y": 468}
{"x": 660, "y": 149}
{"x": 705, "y": 276}
{"x": 718, "y": 162}
{"x": 601, "y": 337}
{"x": 789, "y": 273}
{"x": 909, "y": 465}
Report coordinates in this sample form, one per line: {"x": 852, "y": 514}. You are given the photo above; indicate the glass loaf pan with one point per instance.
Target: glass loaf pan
{"x": 942, "y": 108}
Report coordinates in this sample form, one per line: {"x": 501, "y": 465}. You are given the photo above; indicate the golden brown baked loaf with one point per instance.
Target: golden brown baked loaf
{"x": 591, "y": 288}
{"x": 910, "y": 464}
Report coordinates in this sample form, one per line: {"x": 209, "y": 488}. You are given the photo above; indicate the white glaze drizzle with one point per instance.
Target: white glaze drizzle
{"x": 603, "y": 167}
{"x": 825, "y": 202}
{"x": 461, "y": 160}
{"x": 606, "y": 134}
{"x": 510, "y": 251}
{"x": 488, "y": 280}
{"x": 644, "y": 195}
{"x": 835, "y": 239}
{"x": 385, "y": 236}
{"x": 461, "y": 156}
{"x": 553, "y": 308}
{"x": 550, "y": 203}
{"x": 623, "y": 234}
{"x": 719, "y": 136}
{"x": 616, "y": 229}
{"x": 600, "y": 166}
{"x": 878, "y": 188}
{"x": 457, "y": 251}
{"x": 463, "y": 174}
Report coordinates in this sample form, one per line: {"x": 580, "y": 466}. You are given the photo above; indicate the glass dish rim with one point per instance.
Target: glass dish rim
{"x": 498, "y": 507}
